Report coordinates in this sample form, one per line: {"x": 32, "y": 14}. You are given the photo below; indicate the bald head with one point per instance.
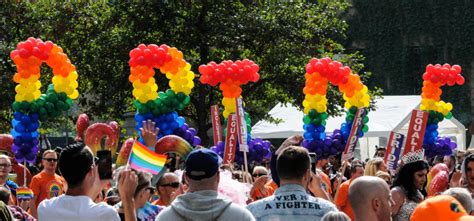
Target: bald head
{"x": 370, "y": 197}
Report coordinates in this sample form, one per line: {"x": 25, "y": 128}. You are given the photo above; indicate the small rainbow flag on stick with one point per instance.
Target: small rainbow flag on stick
{"x": 141, "y": 158}
{"x": 24, "y": 193}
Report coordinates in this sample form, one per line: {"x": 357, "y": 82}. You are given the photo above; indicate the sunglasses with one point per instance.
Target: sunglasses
{"x": 259, "y": 174}
{"x": 51, "y": 159}
{"x": 174, "y": 185}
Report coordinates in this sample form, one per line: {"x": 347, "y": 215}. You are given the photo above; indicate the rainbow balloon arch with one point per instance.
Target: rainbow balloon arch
{"x": 320, "y": 72}
{"x": 31, "y": 106}
{"x": 434, "y": 78}
{"x": 162, "y": 107}
{"x": 231, "y": 76}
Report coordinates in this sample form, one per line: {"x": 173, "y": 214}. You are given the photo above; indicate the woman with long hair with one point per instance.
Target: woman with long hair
{"x": 373, "y": 166}
{"x": 408, "y": 189}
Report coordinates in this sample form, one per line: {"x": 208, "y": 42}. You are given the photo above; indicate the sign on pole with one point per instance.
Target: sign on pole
{"x": 394, "y": 148}
{"x": 230, "y": 139}
{"x": 216, "y": 124}
{"x": 354, "y": 135}
{"x": 241, "y": 126}
{"x": 416, "y": 131}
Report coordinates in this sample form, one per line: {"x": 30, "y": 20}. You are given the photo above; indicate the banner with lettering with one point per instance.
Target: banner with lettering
{"x": 241, "y": 126}
{"x": 216, "y": 124}
{"x": 354, "y": 135}
{"x": 230, "y": 139}
{"x": 416, "y": 131}
{"x": 394, "y": 148}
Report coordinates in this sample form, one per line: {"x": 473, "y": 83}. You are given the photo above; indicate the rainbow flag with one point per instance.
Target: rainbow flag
{"x": 24, "y": 193}
{"x": 141, "y": 158}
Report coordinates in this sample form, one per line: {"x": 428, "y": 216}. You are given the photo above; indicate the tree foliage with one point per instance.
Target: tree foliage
{"x": 280, "y": 37}
{"x": 399, "y": 38}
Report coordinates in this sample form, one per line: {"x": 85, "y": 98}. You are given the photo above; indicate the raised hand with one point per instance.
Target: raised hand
{"x": 149, "y": 132}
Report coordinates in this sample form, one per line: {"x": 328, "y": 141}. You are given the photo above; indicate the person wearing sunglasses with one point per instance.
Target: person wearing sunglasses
{"x": 47, "y": 184}
{"x": 261, "y": 187}
{"x": 143, "y": 192}
{"x": 166, "y": 186}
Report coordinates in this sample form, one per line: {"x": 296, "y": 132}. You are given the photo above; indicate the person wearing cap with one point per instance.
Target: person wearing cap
{"x": 202, "y": 201}
{"x": 291, "y": 200}
{"x": 370, "y": 199}
{"x": 440, "y": 208}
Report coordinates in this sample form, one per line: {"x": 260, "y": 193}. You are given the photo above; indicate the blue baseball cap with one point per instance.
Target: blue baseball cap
{"x": 202, "y": 163}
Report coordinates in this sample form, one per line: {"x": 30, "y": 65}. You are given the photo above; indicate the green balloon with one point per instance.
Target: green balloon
{"x": 181, "y": 96}
{"x": 324, "y": 115}
{"x": 366, "y": 119}
{"x": 306, "y": 119}
{"x": 16, "y": 106}
{"x": 353, "y": 110}
{"x": 316, "y": 121}
{"x": 69, "y": 102}
{"x": 24, "y": 106}
{"x": 365, "y": 128}
{"x": 449, "y": 115}
{"x": 156, "y": 112}
{"x": 187, "y": 100}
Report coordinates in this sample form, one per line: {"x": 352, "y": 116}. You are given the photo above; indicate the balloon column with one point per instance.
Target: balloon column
{"x": 161, "y": 107}
{"x": 319, "y": 72}
{"x": 231, "y": 76}
{"x": 30, "y": 105}
{"x": 434, "y": 77}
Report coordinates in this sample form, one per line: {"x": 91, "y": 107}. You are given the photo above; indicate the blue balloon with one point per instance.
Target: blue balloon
{"x": 180, "y": 121}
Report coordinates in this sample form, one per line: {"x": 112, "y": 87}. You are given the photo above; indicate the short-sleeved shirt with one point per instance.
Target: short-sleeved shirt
{"x": 75, "y": 208}
{"x": 46, "y": 186}
{"x": 290, "y": 202}
{"x": 269, "y": 187}
{"x": 326, "y": 182}
{"x": 342, "y": 199}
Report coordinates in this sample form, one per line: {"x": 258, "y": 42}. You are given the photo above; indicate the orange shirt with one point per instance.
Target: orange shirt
{"x": 158, "y": 202}
{"x": 342, "y": 199}
{"x": 326, "y": 182}
{"x": 269, "y": 187}
{"x": 45, "y": 186}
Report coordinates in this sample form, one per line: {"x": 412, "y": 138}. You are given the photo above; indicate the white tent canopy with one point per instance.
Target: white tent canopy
{"x": 392, "y": 114}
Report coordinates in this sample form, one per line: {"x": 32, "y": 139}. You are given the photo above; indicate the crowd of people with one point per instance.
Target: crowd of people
{"x": 291, "y": 186}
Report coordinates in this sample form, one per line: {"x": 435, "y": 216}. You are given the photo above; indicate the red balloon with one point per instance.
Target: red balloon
{"x": 460, "y": 80}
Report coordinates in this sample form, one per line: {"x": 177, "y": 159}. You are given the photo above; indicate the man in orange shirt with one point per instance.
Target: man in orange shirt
{"x": 342, "y": 196}
{"x": 47, "y": 184}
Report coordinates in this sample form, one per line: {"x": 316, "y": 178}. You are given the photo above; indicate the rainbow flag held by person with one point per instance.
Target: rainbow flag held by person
{"x": 24, "y": 193}
{"x": 141, "y": 158}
